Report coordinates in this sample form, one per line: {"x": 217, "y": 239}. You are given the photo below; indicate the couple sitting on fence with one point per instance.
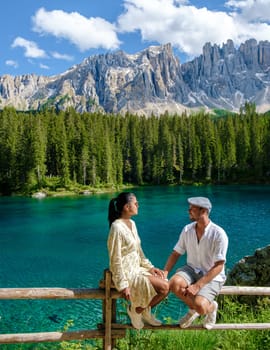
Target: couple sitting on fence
{"x": 197, "y": 283}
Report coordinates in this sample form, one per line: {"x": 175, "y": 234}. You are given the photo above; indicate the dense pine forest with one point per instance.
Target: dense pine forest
{"x": 53, "y": 149}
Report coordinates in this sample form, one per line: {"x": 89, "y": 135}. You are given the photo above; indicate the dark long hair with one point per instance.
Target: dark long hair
{"x": 117, "y": 204}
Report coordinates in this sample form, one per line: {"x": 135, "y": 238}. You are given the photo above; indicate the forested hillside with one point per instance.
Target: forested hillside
{"x": 52, "y": 148}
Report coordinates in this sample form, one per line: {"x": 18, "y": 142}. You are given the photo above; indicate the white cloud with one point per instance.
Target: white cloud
{"x": 31, "y": 48}
{"x": 44, "y": 66}
{"x": 258, "y": 10}
{"x": 189, "y": 28}
{"x": 252, "y": 19}
{"x": 60, "y": 56}
{"x": 12, "y": 63}
{"x": 85, "y": 33}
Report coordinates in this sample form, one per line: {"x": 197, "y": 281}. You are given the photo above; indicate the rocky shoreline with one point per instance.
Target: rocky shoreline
{"x": 252, "y": 270}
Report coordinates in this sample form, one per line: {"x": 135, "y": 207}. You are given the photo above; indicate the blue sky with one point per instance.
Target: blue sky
{"x": 47, "y": 37}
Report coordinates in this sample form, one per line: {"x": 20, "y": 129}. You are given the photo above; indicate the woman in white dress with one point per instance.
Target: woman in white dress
{"x": 133, "y": 274}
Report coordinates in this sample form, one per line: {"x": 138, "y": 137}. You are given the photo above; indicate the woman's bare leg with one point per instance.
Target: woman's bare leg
{"x": 161, "y": 286}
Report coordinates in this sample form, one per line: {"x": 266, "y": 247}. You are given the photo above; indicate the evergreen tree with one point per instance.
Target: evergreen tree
{"x": 61, "y": 150}
{"x": 178, "y": 148}
{"x": 243, "y": 144}
{"x": 9, "y": 133}
{"x": 135, "y": 151}
{"x": 192, "y": 147}
{"x": 165, "y": 150}
{"x": 228, "y": 141}
{"x": 149, "y": 136}
{"x": 116, "y": 140}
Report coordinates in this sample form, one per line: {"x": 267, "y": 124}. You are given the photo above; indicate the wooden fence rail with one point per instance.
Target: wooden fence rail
{"x": 109, "y": 330}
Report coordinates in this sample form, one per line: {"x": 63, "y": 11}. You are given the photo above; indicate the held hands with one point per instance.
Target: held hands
{"x": 158, "y": 273}
{"x": 126, "y": 293}
{"x": 166, "y": 275}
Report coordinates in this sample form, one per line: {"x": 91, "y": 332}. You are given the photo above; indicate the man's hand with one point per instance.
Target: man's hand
{"x": 192, "y": 290}
{"x": 166, "y": 275}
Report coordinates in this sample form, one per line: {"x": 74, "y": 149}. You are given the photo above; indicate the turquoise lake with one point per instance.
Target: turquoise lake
{"x": 61, "y": 242}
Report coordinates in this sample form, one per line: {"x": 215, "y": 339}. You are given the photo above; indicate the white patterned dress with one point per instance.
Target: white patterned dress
{"x": 128, "y": 263}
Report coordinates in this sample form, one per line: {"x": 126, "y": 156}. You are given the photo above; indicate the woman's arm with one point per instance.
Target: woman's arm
{"x": 115, "y": 256}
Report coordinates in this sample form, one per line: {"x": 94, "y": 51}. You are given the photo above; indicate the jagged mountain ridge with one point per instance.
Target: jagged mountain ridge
{"x": 151, "y": 81}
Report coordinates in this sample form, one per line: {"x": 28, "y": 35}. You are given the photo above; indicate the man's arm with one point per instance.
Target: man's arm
{"x": 193, "y": 289}
{"x": 171, "y": 262}
{"x": 211, "y": 274}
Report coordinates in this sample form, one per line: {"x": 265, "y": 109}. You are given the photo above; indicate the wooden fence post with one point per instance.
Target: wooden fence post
{"x": 107, "y": 312}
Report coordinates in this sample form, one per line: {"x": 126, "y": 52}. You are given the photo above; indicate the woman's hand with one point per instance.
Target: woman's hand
{"x": 157, "y": 272}
{"x": 126, "y": 293}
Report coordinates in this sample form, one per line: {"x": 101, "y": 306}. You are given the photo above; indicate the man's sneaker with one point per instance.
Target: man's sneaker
{"x": 149, "y": 318}
{"x": 188, "y": 319}
{"x": 135, "y": 318}
{"x": 210, "y": 319}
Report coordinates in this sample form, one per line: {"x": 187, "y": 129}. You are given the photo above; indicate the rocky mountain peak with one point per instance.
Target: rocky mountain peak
{"x": 151, "y": 81}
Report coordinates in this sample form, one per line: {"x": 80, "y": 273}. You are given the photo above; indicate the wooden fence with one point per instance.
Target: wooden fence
{"x": 109, "y": 330}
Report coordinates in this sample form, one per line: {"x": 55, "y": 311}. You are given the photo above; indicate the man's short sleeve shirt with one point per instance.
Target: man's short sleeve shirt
{"x": 203, "y": 254}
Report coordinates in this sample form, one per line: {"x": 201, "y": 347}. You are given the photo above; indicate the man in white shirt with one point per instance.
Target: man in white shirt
{"x": 198, "y": 282}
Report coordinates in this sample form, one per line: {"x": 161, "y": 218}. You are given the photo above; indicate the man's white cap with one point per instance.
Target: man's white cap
{"x": 201, "y": 202}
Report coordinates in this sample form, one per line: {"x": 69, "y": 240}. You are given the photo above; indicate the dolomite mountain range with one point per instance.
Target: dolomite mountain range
{"x": 151, "y": 81}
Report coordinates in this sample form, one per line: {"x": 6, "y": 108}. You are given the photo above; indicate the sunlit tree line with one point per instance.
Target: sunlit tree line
{"x": 98, "y": 149}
